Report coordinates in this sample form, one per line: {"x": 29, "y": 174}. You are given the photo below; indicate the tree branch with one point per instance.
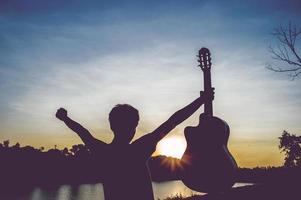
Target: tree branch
{"x": 286, "y": 50}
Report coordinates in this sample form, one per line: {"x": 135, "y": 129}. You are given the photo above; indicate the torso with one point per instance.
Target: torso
{"x": 126, "y": 173}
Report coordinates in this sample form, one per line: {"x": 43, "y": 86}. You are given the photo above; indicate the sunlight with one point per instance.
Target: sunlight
{"x": 172, "y": 146}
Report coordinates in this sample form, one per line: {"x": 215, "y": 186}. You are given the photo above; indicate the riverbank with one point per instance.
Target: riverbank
{"x": 280, "y": 191}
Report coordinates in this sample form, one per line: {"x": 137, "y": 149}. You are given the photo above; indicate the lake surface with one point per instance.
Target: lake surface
{"x": 95, "y": 192}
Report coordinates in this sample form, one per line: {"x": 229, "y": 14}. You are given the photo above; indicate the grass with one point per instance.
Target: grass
{"x": 181, "y": 197}
{"x": 273, "y": 191}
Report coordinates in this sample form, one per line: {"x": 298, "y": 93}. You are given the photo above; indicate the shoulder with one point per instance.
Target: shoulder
{"x": 147, "y": 139}
{"x": 145, "y": 145}
{"x": 100, "y": 146}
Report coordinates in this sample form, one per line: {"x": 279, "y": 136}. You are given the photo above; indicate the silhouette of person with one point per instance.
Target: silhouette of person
{"x": 126, "y": 174}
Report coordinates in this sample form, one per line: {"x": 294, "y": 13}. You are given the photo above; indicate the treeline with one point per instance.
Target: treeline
{"x": 31, "y": 166}
{"x": 270, "y": 175}
{"x": 21, "y": 166}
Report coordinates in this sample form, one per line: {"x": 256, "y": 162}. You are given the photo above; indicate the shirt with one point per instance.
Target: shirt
{"x": 126, "y": 174}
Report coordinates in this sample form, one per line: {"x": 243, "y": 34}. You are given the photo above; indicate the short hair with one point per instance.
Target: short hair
{"x": 123, "y": 115}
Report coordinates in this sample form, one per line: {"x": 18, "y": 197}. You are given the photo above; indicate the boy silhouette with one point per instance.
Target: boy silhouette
{"x": 126, "y": 174}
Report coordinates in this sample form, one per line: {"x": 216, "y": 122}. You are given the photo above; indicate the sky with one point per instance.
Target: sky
{"x": 87, "y": 56}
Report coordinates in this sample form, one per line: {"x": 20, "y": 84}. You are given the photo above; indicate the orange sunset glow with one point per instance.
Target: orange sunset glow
{"x": 172, "y": 146}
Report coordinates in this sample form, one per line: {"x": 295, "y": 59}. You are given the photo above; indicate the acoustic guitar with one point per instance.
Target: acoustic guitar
{"x": 208, "y": 165}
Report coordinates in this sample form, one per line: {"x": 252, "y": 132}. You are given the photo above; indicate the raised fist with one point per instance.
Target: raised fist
{"x": 61, "y": 114}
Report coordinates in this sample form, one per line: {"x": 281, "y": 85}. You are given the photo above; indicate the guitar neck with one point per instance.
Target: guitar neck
{"x": 207, "y": 86}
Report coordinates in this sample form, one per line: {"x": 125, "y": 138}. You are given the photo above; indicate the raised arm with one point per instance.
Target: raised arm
{"x": 181, "y": 115}
{"x": 83, "y": 133}
{"x": 147, "y": 143}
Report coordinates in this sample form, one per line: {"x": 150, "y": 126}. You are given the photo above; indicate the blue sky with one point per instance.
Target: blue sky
{"x": 88, "y": 56}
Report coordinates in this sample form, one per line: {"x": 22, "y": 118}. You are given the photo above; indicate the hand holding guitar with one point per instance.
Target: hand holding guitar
{"x": 207, "y": 95}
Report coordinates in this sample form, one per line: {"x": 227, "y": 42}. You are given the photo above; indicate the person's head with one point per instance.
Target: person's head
{"x": 123, "y": 121}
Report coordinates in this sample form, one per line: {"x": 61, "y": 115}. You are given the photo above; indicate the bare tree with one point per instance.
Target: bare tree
{"x": 286, "y": 53}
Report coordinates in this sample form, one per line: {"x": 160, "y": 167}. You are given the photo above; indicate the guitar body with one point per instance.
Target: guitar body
{"x": 207, "y": 163}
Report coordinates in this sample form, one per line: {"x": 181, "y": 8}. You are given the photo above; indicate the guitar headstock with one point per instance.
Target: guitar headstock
{"x": 204, "y": 59}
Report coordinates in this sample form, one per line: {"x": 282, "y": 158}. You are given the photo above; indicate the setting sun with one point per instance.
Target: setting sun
{"x": 172, "y": 146}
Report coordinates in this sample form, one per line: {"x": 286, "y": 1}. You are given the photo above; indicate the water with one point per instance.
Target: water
{"x": 95, "y": 192}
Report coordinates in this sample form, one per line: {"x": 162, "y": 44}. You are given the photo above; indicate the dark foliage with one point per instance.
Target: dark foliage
{"x": 28, "y": 166}
{"x": 269, "y": 175}
{"x": 290, "y": 144}
{"x": 164, "y": 168}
